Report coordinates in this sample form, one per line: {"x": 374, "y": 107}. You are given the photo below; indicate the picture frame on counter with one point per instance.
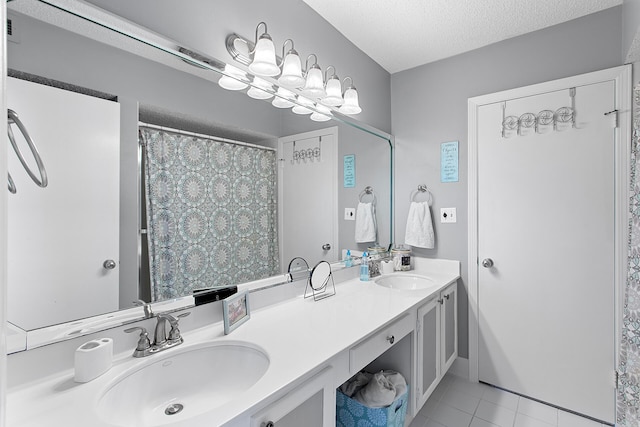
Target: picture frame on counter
{"x": 236, "y": 311}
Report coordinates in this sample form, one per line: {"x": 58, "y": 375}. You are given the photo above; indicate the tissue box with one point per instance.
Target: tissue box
{"x": 350, "y": 412}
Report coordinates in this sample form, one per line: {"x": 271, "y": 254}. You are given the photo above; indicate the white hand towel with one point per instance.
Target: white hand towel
{"x": 365, "y": 223}
{"x": 419, "y": 231}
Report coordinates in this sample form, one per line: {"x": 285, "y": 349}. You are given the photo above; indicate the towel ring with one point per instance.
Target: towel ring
{"x": 368, "y": 191}
{"x": 421, "y": 189}
{"x": 13, "y": 119}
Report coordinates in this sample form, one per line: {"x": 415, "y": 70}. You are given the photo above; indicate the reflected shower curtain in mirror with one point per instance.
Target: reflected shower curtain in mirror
{"x": 628, "y": 398}
{"x": 211, "y": 212}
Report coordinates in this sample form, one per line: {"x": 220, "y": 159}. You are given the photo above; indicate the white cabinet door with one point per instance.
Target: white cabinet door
{"x": 449, "y": 324}
{"x": 60, "y": 236}
{"x": 428, "y": 349}
{"x": 313, "y": 404}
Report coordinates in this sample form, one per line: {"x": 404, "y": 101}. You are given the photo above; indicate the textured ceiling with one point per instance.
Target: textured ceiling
{"x": 402, "y": 34}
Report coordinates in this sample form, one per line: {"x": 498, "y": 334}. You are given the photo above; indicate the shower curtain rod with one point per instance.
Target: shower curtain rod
{"x": 201, "y": 135}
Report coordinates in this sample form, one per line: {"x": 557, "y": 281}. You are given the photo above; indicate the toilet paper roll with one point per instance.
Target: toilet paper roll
{"x": 93, "y": 359}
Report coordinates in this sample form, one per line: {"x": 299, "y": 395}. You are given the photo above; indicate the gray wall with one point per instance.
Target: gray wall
{"x": 203, "y": 25}
{"x": 429, "y": 106}
{"x": 631, "y": 30}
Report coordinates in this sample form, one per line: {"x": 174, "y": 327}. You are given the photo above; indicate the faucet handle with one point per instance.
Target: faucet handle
{"x": 148, "y": 312}
{"x": 144, "y": 344}
{"x": 174, "y": 333}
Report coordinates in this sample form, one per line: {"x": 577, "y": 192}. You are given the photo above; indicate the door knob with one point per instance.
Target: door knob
{"x": 109, "y": 264}
{"x": 487, "y": 263}
{"x": 326, "y": 247}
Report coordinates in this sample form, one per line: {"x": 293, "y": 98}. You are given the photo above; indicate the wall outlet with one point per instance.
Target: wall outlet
{"x": 448, "y": 215}
{"x": 349, "y": 214}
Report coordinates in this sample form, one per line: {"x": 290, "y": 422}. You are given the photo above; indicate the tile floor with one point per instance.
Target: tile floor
{"x": 458, "y": 403}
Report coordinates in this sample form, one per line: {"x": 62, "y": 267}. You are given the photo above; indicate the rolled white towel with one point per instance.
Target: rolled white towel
{"x": 365, "y": 223}
{"x": 419, "y": 232}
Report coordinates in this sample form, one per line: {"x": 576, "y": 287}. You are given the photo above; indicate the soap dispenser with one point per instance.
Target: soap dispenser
{"x": 348, "y": 261}
{"x": 364, "y": 268}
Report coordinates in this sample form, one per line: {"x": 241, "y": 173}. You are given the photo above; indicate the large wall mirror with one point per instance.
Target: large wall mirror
{"x": 111, "y": 106}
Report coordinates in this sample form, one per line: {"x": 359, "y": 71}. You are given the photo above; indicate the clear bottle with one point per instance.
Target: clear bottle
{"x": 364, "y": 268}
{"x": 348, "y": 261}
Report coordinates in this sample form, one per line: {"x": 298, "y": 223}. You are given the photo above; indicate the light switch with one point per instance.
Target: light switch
{"x": 349, "y": 214}
{"x": 448, "y": 215}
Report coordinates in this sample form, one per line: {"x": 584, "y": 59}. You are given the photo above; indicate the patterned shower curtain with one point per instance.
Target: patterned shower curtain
{"x": 628, "y": 399}
{"x": 211, "y": 212}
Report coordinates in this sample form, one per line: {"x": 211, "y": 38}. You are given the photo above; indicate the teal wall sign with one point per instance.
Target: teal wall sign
{"x": 350, "y": 171}
{"x": 449, "y": 161}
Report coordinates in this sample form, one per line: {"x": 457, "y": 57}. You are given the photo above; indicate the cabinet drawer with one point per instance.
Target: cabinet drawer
{"x": 368, "y": 350}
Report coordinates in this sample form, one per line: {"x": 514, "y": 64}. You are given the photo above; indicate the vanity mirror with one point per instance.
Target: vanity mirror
{"x": 145, "y": 80}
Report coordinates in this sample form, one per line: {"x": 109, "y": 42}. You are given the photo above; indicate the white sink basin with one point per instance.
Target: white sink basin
{"x": 182, "y": 384}
{"x": 405, "y": 282}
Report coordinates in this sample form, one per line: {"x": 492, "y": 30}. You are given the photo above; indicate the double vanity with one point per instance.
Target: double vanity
{"x": 283, "y": 365}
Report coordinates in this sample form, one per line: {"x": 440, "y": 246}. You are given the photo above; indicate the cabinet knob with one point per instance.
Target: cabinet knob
{"x": 447, "y": 296}
{"x": 391, "y": 339}
{"x": 109, "y": 264}
{"x": 326, "y": 247}
{"x": 267, "y": 424}
{"x": 441, "y": 301}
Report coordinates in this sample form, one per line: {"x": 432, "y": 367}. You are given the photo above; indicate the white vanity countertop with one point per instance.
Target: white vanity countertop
{"x": 299, "y": 335}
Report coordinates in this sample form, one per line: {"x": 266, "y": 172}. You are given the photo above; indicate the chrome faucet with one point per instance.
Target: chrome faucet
{"x": 162, "y": 340}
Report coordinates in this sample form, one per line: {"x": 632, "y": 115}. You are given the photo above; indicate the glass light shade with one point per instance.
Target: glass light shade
{"x": 314, "y": 86}
{"x": 322, "y": 114}
{"x": 264, "y": 58}
{"x": 234, "y": 82}
{"x": 283, "y": 97}
{"x": 292, "y": 71}
{"x": 350, "y": 105}
{"x": 304, "y": 107}
{"x": 261, "y": 91}
{"x": 334, "y": 93}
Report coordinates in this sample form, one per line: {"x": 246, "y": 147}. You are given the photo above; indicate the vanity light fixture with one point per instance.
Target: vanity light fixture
{"x": 322, "y": 114}
{"x": 234, "y": 78}
{"x": 261, "y": 90}
{"x": 333, "y": 89}
{"x": 351, "y": 105}
{"x": 314, "y": 85}
{"x": 291, "y": 68}
{"x": 264, "y": 55}
{"x": 283, "y": 98}
{"x": 304, "y": 106}
{"x": 307, "y": 84}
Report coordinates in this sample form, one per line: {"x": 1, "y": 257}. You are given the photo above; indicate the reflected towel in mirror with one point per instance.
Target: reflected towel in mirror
{"x": 419, "y": 232}
{"x": 365, "y": 223}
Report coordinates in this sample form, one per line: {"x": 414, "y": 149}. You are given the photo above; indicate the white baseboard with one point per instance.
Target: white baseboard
{"x": 460, "y": 368}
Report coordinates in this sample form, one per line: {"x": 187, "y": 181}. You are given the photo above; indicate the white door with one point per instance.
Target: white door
{"x": 307, "y": 189}
{"x": 60, "y": 236}
{"x": 546, "y": 220}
